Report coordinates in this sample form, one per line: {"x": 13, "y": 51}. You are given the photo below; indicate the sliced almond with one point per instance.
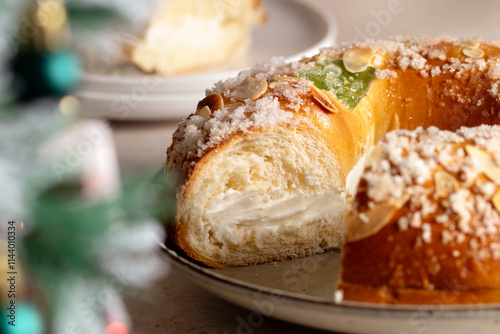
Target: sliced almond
{"x": 250, "y": 88}
{"x": 473, "y": 53}
{"x": 375, "y": 156}
{"x": 275, "y": 84}
{"x": 358, "y": 59}
{"x": 472, "y": 44}
{"x": 324, "y": 99}
{"x": 233, "y": 106}
{"x": 445, "y": 184}
{"x": 334, "y": 69}
{"x": 398, "y": 202}
{"x": 402, "y": 38}
{"x": 445, "y": 203}
{"x": 363, "y": 225}
{"x": 496, "y": 200}
{"x": 485, "y": 162}
{"x": 286, "y": 78}
{"x": 395, "y": 125}
{"x": 212, "y": 101}
{"x": 170, "y": 161}
{"x": 204, "y": 112}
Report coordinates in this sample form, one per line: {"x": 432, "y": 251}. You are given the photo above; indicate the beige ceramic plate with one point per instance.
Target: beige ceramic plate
{"x": 302, "y": 291}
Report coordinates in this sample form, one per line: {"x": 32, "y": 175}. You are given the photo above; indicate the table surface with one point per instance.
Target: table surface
{"x": 176, "y": 305}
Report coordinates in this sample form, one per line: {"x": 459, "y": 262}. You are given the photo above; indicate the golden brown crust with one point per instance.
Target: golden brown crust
{"x": 450, "y": 296}
{"x": 177, "y": 234}
{"x": 443, "y": 237}
{"x": 393, "y": 260}
{"x": 406, "y": 276}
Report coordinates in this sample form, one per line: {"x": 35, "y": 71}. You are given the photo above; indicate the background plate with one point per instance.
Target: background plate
{"x": 295, "y": 28}
{"x": 302, "y": 291}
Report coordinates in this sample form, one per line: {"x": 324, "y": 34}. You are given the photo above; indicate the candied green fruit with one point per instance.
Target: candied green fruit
{"x": 332, "y": 76}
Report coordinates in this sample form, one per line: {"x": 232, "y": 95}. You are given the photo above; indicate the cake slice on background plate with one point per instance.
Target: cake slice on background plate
{"x": 185, "y": 36}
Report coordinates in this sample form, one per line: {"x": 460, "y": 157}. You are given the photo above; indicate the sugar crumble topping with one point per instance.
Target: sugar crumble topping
{"x": 196, "y": 135}
{"x": 466, "y": 211}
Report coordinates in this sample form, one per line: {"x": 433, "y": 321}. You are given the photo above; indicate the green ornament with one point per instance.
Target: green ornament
{"x": 331, "y": 75}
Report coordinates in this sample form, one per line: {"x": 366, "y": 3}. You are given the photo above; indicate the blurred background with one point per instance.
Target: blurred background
{"x": 460, "y": 18}
{"x": 90, "y": 94}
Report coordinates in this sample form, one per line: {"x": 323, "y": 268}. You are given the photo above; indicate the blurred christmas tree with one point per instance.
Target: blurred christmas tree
{"x": 80, "y": 239}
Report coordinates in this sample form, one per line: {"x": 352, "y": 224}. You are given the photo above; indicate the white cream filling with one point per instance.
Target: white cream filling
{"x": 234, "y": 212}
{"x": 188, "y": 32}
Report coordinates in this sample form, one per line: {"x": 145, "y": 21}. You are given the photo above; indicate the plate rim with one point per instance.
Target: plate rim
{"x": 189, "y": 266}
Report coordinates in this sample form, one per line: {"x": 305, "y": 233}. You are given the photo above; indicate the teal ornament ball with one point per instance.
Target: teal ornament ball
{"x": 27, "y": 320}
{"x": 62, "y": 71}
{"x": 45, "y": 74}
